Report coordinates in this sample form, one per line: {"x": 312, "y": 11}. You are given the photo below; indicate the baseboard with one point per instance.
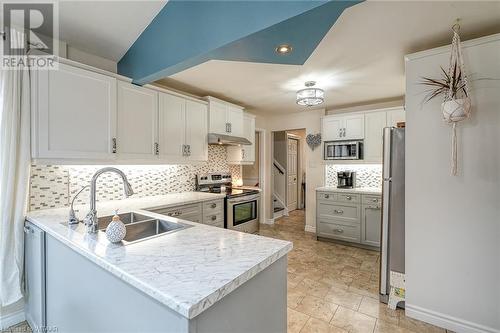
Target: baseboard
{"x": 12, "y": 319}
{"x": 451, "y": 323}
{"x": 268, "y": 221}
{"x": 310, "y": 228}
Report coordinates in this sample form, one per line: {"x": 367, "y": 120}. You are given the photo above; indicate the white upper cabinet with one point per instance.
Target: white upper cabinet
{"x": 196, "y": 131}
{"x": 182, "y": 129}
{"x": 395, "y": 116}
{"x": 374, "y": 126}
{"x": 137, "y": 119}
{"x": 171, "y": 126}
{"x": 74, "y": 114}
{"x": 345, "y": 127}
{"x": 225, "y": 118}
{"x": 244, "y": 154}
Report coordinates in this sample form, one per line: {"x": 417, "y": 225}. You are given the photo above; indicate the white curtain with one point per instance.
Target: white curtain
{"x": 14, "y": 176}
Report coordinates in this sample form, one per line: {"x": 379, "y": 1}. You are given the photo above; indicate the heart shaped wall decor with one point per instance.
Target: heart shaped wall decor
{"x": 313, "y": 140}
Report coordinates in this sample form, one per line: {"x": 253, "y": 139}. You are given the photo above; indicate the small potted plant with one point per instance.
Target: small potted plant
{"x": 453, "y": 86}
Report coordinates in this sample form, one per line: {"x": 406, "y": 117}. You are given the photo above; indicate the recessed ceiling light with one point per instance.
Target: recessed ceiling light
{"x": 283, "y": 49}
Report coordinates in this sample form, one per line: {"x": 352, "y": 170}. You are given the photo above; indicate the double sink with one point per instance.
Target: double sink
{"x": 141, "y": 227}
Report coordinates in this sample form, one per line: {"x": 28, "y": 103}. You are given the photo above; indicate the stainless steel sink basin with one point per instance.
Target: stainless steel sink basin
{"x": 139, "y": 227}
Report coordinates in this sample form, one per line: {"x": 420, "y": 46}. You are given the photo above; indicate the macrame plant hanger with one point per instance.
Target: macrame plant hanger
{"x": 457, "y": 104}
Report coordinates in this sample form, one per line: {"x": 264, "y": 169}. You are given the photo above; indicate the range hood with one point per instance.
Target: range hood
{"x": 227, "y": 140}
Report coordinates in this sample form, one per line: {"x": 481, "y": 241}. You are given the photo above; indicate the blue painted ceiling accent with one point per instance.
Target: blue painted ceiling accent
{"x": 188, "y": 33}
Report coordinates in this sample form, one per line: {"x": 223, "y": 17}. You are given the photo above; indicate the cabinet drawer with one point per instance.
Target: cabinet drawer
{"x": 339, "y": 211}
{"x": 344, "y": 232}
{"x": 213, "y": 207}
{"x": 326, "y": 196}
{"x": 180, "y": 211}
{"x": 371, "y": 199}
{"x": 214, "y": 220}
{"x": 348, "y": 197}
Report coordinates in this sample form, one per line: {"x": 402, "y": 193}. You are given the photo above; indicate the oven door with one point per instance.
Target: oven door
{"x": 243, "y": 213}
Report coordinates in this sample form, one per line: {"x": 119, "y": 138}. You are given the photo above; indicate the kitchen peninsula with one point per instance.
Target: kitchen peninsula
{"x": 198, "y": 279}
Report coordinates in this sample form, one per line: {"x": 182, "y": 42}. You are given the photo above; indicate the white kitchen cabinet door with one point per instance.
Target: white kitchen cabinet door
{"x": 196, "y": 131}
{"x": 395, "y": 116}
{"x": 74, "y": 114}
{"x": 374, "y": 126}
{"x": 331, "y": 128}
{"x": 217, "y": 117}
{"x": 244, "y": 154}
{"x": 137, "y": 121}
{"x": 171, "y": 127}
{"x": 354, "y": 127}
{"x": 371, "y": 218}
{"x": 235, "y": 121}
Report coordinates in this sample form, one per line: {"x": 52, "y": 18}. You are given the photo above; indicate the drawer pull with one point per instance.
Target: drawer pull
{"x": 374, "y": 200}
{"x": 348, "y": 197}
{"x": 214, "y": 218}
{"x": 213, "y": 205}
{"x": 339, "y": 231}
{"x": 327, "y": 196}
{"x": 338, "y": 211}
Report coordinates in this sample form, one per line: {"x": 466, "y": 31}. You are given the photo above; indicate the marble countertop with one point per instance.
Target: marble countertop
{"x": 188, "y": 270}
{"x": 360, "y": 190}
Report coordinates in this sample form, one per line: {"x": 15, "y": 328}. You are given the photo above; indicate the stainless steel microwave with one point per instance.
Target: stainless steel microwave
{"x": 343, "y": 150}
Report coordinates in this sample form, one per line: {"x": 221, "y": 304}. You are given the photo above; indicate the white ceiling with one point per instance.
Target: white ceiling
{"x": 359, "y": 61}
{"x": 105, "y": 28}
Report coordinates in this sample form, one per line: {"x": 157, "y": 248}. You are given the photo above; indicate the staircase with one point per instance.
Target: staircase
{"x": 279, "y": 189}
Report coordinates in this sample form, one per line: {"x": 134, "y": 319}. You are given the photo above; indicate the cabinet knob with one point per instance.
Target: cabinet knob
{"x": 374, "y": 200}
{"x": 214, "y": 218}
{"x": 348, "y": 197}
{"x": 339, "y": 231}
{"x": 338, "y": 211}
{"x": 214, "y": 205}
{"x": 327, "y": 196}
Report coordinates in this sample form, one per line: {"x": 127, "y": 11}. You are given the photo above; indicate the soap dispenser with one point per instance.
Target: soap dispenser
{"x": 116, "y": 231}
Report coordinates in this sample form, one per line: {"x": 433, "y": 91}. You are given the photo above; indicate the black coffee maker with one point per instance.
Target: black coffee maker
{"x": 346, "y": 179}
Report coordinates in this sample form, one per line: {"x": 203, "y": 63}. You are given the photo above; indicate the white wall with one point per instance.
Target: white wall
{"x": 310, "y": 120}
{"x": 453, "y": 223}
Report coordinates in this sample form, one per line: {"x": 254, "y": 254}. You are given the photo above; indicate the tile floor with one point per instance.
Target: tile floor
{"x": 334, "y": 288}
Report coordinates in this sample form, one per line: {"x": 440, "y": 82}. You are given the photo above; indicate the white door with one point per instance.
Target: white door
{"x": 374, "y": 126}
{"x": 235, "y": 120}
{"x": 395, "y": 116}
{"x": 196, "y": 131}
{"x": 354, "y": 128}
{"x": 137, "y": 117}
{"x": 292, "y": 174}
{"x": 332, "y": 128}
{"x": 171, "y": 127}
{"x": 217, "y": 117}
{"x": 75, "y": 114}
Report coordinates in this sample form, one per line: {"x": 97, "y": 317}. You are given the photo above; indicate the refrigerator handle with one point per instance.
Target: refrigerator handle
{"x": 384, "y": 246}
{"x": 386, "y": 171}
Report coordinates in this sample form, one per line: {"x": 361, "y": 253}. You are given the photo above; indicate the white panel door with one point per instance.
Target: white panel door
{"x": 395, "y": 116}
{"x": 196, "y": 131}
{"x": 217, "y": 117}
{"x": 331, "y": 128}
{"x": 137, "y": 121}
{"x": 235, "y": 119}
{"x": 354, "y": 128}
{"x": 75, "y": 113}
{"x": 292, "y": 174}
{"x": 171, "y": 126}
{"x": 374, "y": 126}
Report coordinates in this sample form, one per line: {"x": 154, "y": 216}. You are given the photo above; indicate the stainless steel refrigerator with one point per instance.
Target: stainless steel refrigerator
{"x": 392, "y": 248}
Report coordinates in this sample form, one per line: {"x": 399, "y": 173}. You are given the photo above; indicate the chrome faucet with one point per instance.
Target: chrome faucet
{"x": 91, "y": 217}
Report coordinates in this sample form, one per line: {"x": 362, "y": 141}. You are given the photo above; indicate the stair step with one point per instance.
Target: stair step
{"x": 278, "y": 209}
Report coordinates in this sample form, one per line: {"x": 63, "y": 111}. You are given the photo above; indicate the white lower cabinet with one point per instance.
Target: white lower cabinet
{"x": 73, "y": 114}
{"x": 208, "y": 212}
{"x": 349, "y": 217}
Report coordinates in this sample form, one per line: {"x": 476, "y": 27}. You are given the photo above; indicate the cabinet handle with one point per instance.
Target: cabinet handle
{"x": 374, "y": 200}
{"x": 185, "y": 151}
{"x": 113, "y": 145}
{"x": 157, "y": 148}
{"x": 327, "y": 196}
{"x": 214, "y": 218}
{"x": 213, "y": 205}
{"x": 338, "y": 211}
{"x": 188, "y": 150}
{"x": 348, "y": 197}
{"x": 340, "y": 132}
{"x": 338, "y": 231}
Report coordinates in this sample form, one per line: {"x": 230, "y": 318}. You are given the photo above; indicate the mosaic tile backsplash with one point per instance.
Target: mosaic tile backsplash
{"x": 367, "y": 175}
{"x": 53, "y": 186}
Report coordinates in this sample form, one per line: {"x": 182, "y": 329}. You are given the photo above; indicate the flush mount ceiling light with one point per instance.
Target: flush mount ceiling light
{"x": 283, "y": 49}
{"x": 310, "y": 96}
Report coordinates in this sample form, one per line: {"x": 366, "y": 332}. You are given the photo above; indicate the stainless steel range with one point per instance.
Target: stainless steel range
{"x": 241, "y": 205}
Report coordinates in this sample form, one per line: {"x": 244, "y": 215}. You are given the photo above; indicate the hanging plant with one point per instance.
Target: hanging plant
{"x": 453, "y": 85}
